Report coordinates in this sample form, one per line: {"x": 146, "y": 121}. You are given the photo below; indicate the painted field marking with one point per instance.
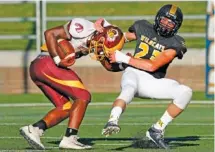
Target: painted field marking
{"x": 100, "y": 104}
{"x": 122, "y": 124}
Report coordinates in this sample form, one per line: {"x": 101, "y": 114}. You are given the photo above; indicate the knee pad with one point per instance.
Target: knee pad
{"x": 183, "y": 97}
{"x": 127, "y": 93}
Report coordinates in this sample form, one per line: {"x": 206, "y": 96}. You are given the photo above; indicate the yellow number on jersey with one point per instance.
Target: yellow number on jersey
{"x": 144, "y": 50}
{"x": 154, "y": 54}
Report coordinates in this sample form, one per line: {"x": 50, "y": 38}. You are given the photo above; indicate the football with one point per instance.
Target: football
{"x": 65, "y": 49}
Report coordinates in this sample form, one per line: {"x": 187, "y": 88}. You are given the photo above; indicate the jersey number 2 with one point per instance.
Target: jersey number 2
{"x": 145, "y": 50}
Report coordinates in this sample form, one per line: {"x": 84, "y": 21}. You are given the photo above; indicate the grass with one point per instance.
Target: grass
{"x": 192, "y": 131}
{"x": 97, "y": 9}
{"x": 96, "y": 97}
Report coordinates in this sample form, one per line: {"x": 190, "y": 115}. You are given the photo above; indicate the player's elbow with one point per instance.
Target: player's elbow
{"x": 152, "y": 68}
{"x": 48, "y": 34}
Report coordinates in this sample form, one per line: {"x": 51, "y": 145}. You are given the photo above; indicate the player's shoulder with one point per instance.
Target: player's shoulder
{"x": 80, "y": 27}
{"x": 179, "y": 41}
{"x": 80, "y": 21}
{"x": 143, "y": 22}
{"x": 140, "y": 25}
{"x": 178, "y": 44}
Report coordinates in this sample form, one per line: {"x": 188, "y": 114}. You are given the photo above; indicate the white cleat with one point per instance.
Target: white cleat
{"x": 32, "y": 135}
{"x": 72, "y": 143}
{"x": 111, "y": 128}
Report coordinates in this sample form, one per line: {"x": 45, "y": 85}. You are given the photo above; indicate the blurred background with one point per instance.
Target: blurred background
{"x": 22, "y": 24}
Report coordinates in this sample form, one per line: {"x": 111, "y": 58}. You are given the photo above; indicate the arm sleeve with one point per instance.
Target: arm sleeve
{"x": 180, "y": 47}
{"x": 132, "y": 28}
{"x": 116, "y": 67}
{"x": 66, "y": 28}
{"x": 180, "y": 52}
{"x": 113, "y": 67}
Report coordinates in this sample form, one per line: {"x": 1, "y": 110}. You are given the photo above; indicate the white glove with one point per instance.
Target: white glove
{"x": 56, "y": 60}
{"x": 121, "y": 57}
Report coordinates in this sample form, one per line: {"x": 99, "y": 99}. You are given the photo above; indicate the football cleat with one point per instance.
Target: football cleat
{"x": 156, "y": 136}
{"x": 72, "y": 143}
{"x": 111, "y": 128}
{"x": 32, "y": 135}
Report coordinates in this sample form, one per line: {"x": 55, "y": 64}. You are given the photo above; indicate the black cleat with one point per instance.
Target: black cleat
{"x": 110, "y": 128}
{"x": 156, "y": 136}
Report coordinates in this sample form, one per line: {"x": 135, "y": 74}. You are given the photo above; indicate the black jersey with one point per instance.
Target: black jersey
{"x": 150, "y": 44}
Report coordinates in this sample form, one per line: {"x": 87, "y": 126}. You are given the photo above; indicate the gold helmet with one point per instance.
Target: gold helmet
{"x": 110, "y": 40}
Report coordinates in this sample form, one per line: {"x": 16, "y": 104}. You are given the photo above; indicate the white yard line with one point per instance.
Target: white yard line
{"x": 130, "y": 139}
{"x": 122, "y": 124}
{"x": 98, "y": 104}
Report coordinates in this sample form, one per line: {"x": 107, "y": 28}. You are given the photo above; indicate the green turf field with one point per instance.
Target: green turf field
{"x": 97, "y": 9}
{"x": 192, "y": 131}
{"x": 96, "y": 97}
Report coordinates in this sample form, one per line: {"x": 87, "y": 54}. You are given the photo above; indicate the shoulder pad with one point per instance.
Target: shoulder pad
{"x": 81, "y": 28}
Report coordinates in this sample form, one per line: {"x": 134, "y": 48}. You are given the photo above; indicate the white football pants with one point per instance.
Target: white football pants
{"x": 141, "y": 84}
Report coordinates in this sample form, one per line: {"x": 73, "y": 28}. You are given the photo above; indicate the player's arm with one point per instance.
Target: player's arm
{"x": 113, "y": 67}
{"x": 100, "y": 24}
{"x": 51, "y": 37}
{"x": 152, "y": 65}
{"x": 145, "y": 64}
{"x": 129, "y": 36}
{"x": 81, "y": 53}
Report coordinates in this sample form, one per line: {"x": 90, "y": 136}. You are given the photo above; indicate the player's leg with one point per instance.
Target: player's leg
{"x": 81, "y": 98}
{"x": 59, "y": 113}
{"x": 128, "y": 90}
{"x": 32, "y": 133}
{"x": 67, "y": 82}
{"x": 165, "y": 89}
{"x": 62, "y": 105}
{"x": 40, "y": 66}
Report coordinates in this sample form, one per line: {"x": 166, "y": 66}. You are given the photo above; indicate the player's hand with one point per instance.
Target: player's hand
{"x": 112, "y": 57}
{"x": 129, "y": 54}
{"x": 67, "y": 61}
{"x": 99, "y": 25}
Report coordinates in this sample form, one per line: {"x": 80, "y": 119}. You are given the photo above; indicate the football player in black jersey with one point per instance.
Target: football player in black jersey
{"x": 156, "y": 46}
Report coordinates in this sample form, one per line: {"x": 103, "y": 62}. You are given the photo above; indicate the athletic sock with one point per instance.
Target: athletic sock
{"x": 41, "y": 125}
{"x": 71, "y": 131}
{"x": 115, "y": 114}
{"x": 163, "y": 122}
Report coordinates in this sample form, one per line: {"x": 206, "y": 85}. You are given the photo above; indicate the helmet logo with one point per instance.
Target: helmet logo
{"x": 79, "y": 28}
{"x": 112, "y": 34}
